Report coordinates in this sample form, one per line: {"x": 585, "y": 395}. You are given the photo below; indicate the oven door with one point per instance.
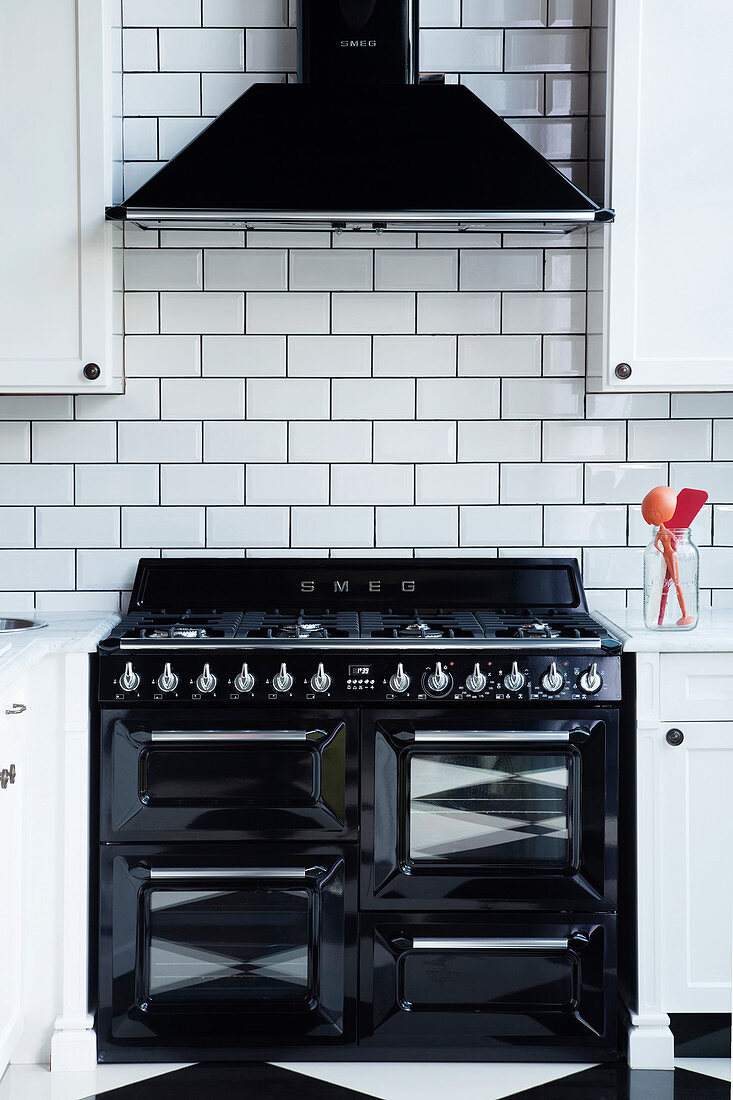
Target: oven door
{"x": 494, "y": 810}
{"x": 211, "y": 776}
{"x": 488, "y": 986}
{"x": 223, "y": 950}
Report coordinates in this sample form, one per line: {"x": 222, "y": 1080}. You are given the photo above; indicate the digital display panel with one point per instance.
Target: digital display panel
{"x": 360, "y": 670}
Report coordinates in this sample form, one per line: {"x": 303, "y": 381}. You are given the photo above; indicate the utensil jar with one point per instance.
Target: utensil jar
{"x": 662, "y": 607}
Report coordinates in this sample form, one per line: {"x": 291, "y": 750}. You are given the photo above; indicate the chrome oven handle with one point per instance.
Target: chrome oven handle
{"x": 205, "y": 736}
{"x": 163, "y": 873}
{"x": 496, "y": 943}
{"x": 513, "y": 736}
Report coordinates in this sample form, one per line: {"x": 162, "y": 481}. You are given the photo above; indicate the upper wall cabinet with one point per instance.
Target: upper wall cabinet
{"x": 57, "y": 107}
{"x": 669, "y": 260}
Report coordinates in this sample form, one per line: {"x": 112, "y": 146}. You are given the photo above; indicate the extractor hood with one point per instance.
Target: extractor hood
{"x": 359, "y": 146}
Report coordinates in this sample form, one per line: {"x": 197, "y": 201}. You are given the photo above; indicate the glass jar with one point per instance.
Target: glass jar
{"x": 662, "y": 605}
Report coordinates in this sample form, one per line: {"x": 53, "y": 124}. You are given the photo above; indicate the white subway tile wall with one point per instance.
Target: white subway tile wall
{"x": 387, "y": 394}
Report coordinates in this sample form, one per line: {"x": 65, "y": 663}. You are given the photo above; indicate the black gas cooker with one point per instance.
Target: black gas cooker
{"x": 243, "y": 631}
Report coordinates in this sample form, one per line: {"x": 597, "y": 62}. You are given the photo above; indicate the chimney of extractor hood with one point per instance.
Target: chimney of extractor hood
{"x": 347, "y": 42}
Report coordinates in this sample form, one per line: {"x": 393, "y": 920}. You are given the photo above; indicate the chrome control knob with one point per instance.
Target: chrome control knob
{"x": 515, "y": 680}
{"x": 438, "y": 681}
{"x": 476, "y": 680}
{"x": 244, "y": 681}
{"x": 591, "y": 680}
{"x": 282, "y": 680}
{"x": 399, "y": 681}
{"x": 552, "y": 681}
{"x": 167, "y": 681}
{"x": 129, "y": 680}
{"x": 321, "y": 681}
{"x": 206, "y": 681}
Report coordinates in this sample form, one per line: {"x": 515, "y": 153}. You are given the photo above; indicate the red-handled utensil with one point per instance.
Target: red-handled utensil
{"x": 689, "y": 504}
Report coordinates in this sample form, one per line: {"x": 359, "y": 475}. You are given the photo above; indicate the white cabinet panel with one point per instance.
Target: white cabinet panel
{"x": 12, "y": 780}
{"x": 696, "y": 686}
{"x": 56, "y": 279}
{"x": 669, "y": 268}
{"x": 697, "y": 892}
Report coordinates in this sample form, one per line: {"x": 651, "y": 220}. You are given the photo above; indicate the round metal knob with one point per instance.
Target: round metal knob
{"x": 91, "y": 371}
{"x": 438, "y": 681}
{"x": 399, "y": 681}
{"x": 591, "y": 680}
{"x": 206, "y": 681}
{"x": 129, "y": 680}
{"x": 476, "y": 680}
{"x": 282, "y": 680}
{"x": 552, "y": 681}
{"x": 622, "y": 371}
{"x": 12, "y": 773}
{"x": 244, "y": 681}
{"x": 167, "y": 681}
{"x": 674, "y": 737}
{"x": 515, "y": 680}
{"x": 321, "y": 681}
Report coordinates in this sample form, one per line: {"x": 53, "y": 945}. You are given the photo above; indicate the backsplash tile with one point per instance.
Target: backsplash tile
{"x": 321, "y": 393}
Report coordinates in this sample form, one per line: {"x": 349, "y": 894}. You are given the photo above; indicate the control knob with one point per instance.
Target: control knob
{"x": 167, "y": 681}
{"x": 129, "y": 680}
{"x": 591, "y": 680}
{"x": 282, "y": 680}
{"x": 244, "y": 681}
{"x": 206, "y": 681}
{"x": 551, "y": 680}
{"x": 399, "y": 681}
{"x": 515, "y": 680}
{"x": 321, "y": 681}
{"x": 439, "y": 681}
{"x": 476, "y": 680}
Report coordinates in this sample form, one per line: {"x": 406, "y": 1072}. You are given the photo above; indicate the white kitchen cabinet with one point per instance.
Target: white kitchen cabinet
{"x": 13, "y": 724}
{"x": 57, "y": 301}
{"x": 676, "y": 832}
{"x": 696, "y": 781}
{"x": 668, "y": 260}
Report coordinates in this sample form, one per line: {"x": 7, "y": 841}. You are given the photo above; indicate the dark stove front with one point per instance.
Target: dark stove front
{"x": 354, "y": 874}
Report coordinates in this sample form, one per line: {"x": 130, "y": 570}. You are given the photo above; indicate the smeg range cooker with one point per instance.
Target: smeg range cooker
{"x": 357, "y": 809}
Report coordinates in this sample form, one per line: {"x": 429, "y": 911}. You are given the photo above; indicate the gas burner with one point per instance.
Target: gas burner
{"x": 298, "y": 624}
{"x": 185, "y": 626}
{"x": 419, "y": 625}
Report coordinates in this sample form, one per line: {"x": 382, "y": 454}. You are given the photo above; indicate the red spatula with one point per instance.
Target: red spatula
{"x": 689, "y": 503}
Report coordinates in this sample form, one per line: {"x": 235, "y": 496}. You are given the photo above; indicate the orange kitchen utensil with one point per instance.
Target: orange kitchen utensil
{"x": 689, "y": 505}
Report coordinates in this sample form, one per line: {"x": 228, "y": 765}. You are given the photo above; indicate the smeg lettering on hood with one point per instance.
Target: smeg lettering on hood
{"x": 357, "y": 43}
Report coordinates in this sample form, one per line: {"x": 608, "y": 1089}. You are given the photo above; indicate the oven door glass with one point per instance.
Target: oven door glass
{"x": 478, "y": 983}
{"x": 518, "y": 812}
{"x": 211, "y": 776}
{"x": 511, "y": 808}
{"x": 221, "y": 949}
{"x": 249, "y": 943}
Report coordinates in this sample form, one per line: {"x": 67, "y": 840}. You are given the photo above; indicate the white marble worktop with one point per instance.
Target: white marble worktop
{"x": 713, "y": 633}
{"x": 67, "y": 632}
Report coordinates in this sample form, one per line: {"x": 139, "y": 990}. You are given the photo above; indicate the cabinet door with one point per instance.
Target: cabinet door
{"x": 696, "y": 782}
{"x": 56, "y": 279}
{"x": 668, "y": 268}
{"x": 12, "y": 779}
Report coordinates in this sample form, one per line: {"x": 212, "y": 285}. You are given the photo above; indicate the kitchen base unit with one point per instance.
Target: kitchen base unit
{"x": 349, "y": 812}
{"x": 677, "y": 828}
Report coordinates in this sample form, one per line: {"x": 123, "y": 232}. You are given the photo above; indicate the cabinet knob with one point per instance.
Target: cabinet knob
{"x": 675, "y": 737}
{"x": 4, "y": 779}
{"x": 17, "y": 708}
{"x": 91, "y": 371}
{"x": 623, "y": 371}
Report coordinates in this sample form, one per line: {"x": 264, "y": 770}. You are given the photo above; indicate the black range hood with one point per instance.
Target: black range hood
{"x": 363, "y": 154}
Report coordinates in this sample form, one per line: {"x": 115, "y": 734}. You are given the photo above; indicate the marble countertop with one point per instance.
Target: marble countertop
{"x": 67, "y": 632}
{"x": 713, "y": 633}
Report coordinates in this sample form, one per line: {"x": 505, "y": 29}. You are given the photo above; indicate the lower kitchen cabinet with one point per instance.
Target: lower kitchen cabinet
{"x": 696, "y": 787}
{"x": 677, "y": 913}
{"x": 13, "y": 723}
